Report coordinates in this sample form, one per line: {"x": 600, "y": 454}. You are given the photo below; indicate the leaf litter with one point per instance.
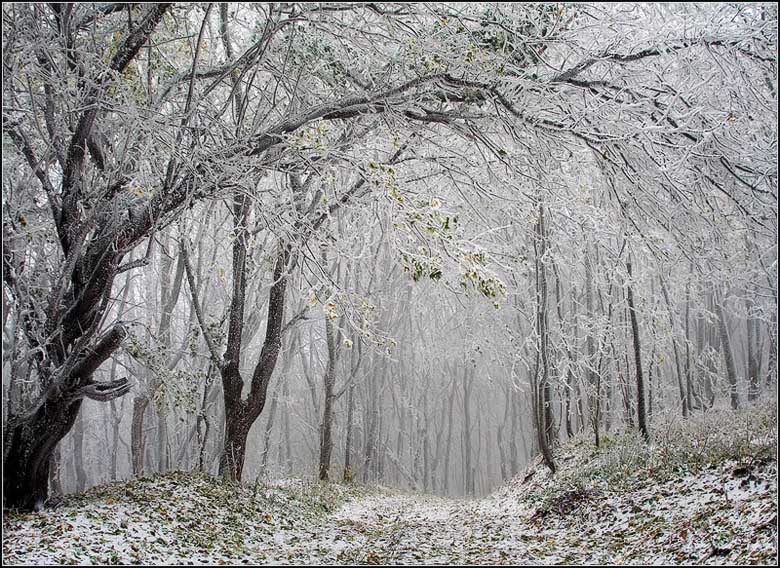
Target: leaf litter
{"x": 717, "y": 511}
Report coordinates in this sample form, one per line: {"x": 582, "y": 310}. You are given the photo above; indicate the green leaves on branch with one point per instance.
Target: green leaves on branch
{"x": 419, "y": 266}
{"x": 483, "y": 281}
{"x": 170, "y": 386}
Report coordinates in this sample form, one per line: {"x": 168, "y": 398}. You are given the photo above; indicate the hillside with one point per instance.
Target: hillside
{"x": 704, "y": 492}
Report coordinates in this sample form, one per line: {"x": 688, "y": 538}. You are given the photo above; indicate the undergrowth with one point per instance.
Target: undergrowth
{"x": 625, "y": 462}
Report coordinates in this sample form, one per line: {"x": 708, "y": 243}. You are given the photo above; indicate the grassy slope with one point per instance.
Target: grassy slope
{"x": 168, "y": 519}
{"x": 704, "y": 492}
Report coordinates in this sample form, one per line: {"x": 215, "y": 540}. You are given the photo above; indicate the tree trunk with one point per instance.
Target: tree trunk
{"x": 241, "y": 414}
{"x": 56, "y": 473}
{"x": 137, "y": 437}
{"x": 514, "y": 464}
{"x": 30, "y": 439}
{"x": 288, "y": 461}
{"x": 78, "y": 453}
{"x": 771, "y": 375}
{"x": 231, "y": 465}
{"x": 30, "y": 443}
{"x": 640, "y": 385}
{"x": 203, "y": 424}
{"x": 543, "y": 413}
{"x": 348, "y": 474}
{"x": 693, "y": 395}
{"x": 92, "y": 249}
{"x": 115, "y": 419}
{"x": 725, "y": 342}
{"x": 753, "y": 341}
{"x": 468, "y": 477}
{"x": 500, "y": 437}
{"x": 371, "y": 448}
{"x": 447, "y": 451}
{"x": 593, "y": 382}
{"x": 326, "y": 437}
{"x": 269, "y": 426}
{"x": 163, "y": 459}
{"x": 685, "y": 400}
{"x": 572, "y": 353}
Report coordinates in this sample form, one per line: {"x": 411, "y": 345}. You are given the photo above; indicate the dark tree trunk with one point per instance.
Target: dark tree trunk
{"x": 348, "y": 435}
{"x": 326, "y": 432}
{"x": 231, "y": 465}
{"x": 706, "y": 338}
{"x": 693, "y": 394}
{"x": 640, "y": 385}
{"x": 572, "y": 354}
{"x": 93, "y": 250}
{"x": 543, "y": 410}
{"x": 771, "y": 375}
{"x": 31, "y": 441}
{"x": 241, "y": 414}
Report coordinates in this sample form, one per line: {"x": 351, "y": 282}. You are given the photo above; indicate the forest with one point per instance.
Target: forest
{"x": 433, "y": 254}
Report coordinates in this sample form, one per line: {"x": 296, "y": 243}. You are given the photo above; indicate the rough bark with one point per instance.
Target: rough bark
{"x": 30, "y": 439}
{"x": 137, "y": 437}
{"x": 240, "y": 414}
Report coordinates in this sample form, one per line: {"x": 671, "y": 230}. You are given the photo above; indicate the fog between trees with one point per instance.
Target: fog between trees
{"x": 407, "y": 244}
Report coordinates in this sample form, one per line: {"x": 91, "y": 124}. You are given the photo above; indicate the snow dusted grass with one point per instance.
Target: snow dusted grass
{"x": 175, "y": 518}
{"x": 704, "y": 492}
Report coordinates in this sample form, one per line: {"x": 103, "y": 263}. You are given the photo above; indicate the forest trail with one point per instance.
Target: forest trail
{"x": 681, "y": 502}
{"x": 414, "y": 529}
{"x": 725, "y": 514}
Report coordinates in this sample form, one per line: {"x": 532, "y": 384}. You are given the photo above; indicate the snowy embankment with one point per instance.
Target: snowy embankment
{"x": 705, "y": 492}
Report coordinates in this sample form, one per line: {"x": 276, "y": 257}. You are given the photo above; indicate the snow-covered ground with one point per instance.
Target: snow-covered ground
{"x": 724, "y": 512}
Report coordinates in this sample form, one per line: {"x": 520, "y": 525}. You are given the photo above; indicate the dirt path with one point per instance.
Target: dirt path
{"x": 707, "y": 518}
{"x": 722, "y": 515}
{"x": 402, "y": 529}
